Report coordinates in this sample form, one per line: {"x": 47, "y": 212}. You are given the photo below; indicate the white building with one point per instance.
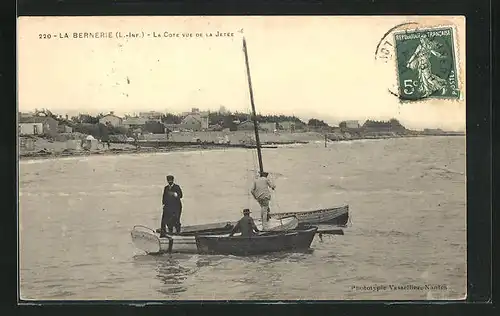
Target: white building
{"x": 191, "y": 122}
{"x": 111, "y": 119}
{"x": 151, "y": 115}
{"x": 267, "y": 126}
{"x": 196, "y": 118}
{"x": 352, "y": 124}
{"x": 287, "y": 125}
{"x": 30, "y": 128}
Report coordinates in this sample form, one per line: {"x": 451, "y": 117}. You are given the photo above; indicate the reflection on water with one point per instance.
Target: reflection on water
{"x": 172, "y": 275}
{"x": 172, "y": 270}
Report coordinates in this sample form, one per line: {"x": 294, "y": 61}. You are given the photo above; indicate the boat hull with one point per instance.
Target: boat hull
{"x": 338, "y": 216}
{"x": 180, "y": 244}
{"x": 267, "y": 242}
{"x": 148, "y": 240}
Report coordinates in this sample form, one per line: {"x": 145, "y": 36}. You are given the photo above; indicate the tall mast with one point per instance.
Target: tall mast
{"x": 254, "y": 115}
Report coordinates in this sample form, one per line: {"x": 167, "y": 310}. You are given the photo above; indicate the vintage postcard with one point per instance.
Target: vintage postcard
{"x": 242, "y": 158}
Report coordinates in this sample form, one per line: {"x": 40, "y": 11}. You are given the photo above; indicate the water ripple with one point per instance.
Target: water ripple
{"x": 406, "y": 198}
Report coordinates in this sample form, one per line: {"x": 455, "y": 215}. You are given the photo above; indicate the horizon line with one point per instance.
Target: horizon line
{"x": 332, "y": 120}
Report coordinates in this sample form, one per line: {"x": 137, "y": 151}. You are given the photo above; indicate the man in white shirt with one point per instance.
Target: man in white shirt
{"x": 262, "y": 194}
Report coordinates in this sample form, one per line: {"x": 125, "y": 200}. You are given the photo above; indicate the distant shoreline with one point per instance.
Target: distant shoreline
{"x": 186, "y": 147}
{"x": 108, "y": 152}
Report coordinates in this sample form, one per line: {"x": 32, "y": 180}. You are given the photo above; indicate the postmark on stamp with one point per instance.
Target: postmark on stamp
{"x": 426, "y": 64}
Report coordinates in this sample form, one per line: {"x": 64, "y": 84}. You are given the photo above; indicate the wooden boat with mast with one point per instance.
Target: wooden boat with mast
{"x": 282, "y": 234}
{"x": 335, "y": 216}
{"x": 265, "y": 242}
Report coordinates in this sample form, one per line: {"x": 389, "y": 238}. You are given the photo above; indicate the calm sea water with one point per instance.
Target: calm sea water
{"x": 407, "y": 203}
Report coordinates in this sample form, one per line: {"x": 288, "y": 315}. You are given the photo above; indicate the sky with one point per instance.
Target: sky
{"x": 322, "y": 67}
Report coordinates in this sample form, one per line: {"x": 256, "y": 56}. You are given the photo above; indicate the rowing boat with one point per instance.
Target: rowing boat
{"x": 332, "y": 216}
{"x": 266, "y": 242}
{"x": 335, "y": 216}
{"x": 149, "y": 241}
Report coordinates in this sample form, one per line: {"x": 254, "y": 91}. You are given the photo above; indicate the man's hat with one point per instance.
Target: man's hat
{"x": 170, "y": 177}
{"x": 246, "y": 211}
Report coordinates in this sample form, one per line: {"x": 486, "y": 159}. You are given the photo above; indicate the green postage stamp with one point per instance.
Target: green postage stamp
{"x": 426, "y": 64}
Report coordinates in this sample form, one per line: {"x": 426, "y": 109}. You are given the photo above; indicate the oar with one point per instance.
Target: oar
{"x": 329, "y": 232}
{"x": 334, "y": 231}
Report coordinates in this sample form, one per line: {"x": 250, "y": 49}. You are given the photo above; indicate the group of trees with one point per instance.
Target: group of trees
{"x": 223, "y": 119}
{"x": 86, "y": 119}
{"x": 317, "y": 123}
{"x": 392, "y": 124}
{"x": 101, "y": 131}
{"x": 228, "y": 119}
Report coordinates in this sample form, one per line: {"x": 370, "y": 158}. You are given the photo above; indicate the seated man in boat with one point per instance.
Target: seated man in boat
{"x": 262, "y": 194}
{"x": 172, "y": 207}
{"x": 246, "y": 226}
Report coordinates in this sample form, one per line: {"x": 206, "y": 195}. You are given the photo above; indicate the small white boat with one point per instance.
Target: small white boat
{"x": 149, "y": 241}
{"x": 281, "y": 224}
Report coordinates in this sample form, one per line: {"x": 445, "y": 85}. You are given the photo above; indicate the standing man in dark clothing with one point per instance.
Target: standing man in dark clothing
{"x": 245, "y": 225}
{"x": 172, "y": 207}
